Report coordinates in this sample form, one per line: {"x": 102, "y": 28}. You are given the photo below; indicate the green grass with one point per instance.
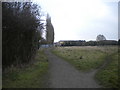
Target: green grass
{"x": 28, "y": 77}
{"x": 108, "y": 76}
{"x": 92, "y": 58}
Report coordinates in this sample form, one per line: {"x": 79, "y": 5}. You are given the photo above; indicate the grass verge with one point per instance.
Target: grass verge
{"x": 87, "y": 58}
{"x": 29, "y": 77}
{"x": 83, "y": 58}
{"x": 108, "y": 77}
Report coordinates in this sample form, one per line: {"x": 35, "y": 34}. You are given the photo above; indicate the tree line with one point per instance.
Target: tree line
{"x": 89, "y": 43}
{"x": 22, "y": 30}
{"x": 100, "y": 41}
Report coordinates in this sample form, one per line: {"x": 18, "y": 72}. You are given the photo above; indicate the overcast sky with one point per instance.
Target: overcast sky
{"x": 82, "y": 19}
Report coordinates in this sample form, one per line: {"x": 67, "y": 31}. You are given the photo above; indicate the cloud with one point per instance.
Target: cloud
{"x": 82, "y": 19}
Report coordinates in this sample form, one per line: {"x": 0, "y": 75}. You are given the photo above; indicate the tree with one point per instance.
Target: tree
{"x": 49, "y": 30}
{"x": 100, "y": 38}
{"x": 20, "y": 36}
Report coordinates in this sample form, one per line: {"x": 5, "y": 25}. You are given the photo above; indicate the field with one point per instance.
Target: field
{"x": 109, "y": 75}
{"x": 31, "y": 76}
{"x": 88, "y": 58}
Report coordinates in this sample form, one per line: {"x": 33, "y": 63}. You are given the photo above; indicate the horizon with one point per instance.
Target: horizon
{"x": 86, "y": 40}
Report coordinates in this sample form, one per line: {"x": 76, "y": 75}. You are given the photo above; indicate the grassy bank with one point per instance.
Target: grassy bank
{"x": 32, "y": 76}
{"x": 87, "y": 58}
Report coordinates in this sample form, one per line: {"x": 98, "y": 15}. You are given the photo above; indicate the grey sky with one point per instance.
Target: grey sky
{"x": 83, "y": 19}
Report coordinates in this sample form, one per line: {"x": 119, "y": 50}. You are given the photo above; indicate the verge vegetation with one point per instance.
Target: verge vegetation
{"x": 92, "y": 57}
{"x": 31, "y": 76}
{"x": 108, "y": 76}
{"x": 83, "y": 58}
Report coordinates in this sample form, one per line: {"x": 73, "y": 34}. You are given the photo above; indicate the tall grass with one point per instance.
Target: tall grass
{"x": 31, "y": 76}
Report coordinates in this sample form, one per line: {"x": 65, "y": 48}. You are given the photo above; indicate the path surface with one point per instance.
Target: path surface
{"x": 64, "y": 75}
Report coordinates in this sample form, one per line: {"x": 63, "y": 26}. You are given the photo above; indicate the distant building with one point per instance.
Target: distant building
{"x": 71, "y": 42}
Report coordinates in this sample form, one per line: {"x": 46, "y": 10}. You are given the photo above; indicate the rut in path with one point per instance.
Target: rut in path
{"x": 64, "y": 75}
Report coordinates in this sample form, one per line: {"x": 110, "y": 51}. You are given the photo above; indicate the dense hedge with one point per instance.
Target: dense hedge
{"x": 20, "y": 34}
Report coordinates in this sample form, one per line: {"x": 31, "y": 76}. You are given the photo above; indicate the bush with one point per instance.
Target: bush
{"x": 19, "y": 32}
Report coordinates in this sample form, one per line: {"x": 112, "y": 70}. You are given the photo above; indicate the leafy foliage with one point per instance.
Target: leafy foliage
{"x": 100, "y": 37}
{"x": 20, "y": 34}
{"x": 32, "y": 76}
{"x": 49, "y": 30}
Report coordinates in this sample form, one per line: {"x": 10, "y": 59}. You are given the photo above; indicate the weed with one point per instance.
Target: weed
{"x": 27, "y": 77}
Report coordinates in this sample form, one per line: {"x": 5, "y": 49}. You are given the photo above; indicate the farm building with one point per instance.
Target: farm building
{"x": 72, "y": 42}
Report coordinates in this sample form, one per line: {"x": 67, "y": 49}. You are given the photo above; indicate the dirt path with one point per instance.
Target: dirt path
{"x": 64, "y": 75}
